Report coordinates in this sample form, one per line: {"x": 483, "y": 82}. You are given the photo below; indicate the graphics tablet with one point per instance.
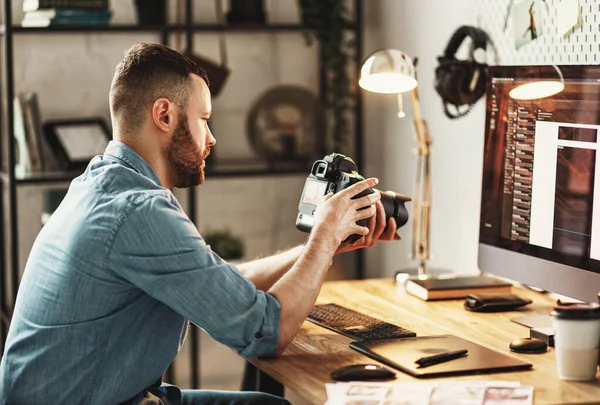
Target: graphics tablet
{"x": 401, "y": 354}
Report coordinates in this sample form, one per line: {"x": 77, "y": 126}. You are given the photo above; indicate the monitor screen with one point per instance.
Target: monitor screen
{"x": 540, "y": 208}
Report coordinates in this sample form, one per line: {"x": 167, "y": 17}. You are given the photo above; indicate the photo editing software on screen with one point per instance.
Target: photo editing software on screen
{"x": 541, "y": 184}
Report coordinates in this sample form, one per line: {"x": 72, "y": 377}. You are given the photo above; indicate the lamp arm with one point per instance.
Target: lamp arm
{"x": 416, "y": 203}
{"x": 422, "y": 190}
{"x": 427, "y": 194}
{"x": 562, "y": 79}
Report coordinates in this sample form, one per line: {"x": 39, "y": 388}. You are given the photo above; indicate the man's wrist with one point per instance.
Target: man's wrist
{"x": 324, "y": 235}
{"x": 320, "y": 244}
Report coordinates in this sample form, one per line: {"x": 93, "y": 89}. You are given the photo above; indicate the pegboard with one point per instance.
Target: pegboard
{"x": 582, "y": 47}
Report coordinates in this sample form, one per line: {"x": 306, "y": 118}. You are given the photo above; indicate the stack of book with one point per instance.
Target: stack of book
{"x": 44, "y": 13}
{"x": 455, "y": 287}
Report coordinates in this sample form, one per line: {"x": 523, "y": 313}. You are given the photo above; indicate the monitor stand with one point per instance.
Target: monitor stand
{"x": 534, "y": 321}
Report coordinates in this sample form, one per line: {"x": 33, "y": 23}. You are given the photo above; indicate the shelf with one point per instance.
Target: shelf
{"x": 250, "y": 28}
{"x": 47, "y": 177}
{"x": 84, "y": 28}
{"x": 223, "y": 172}
{"x": 169, "y": 28}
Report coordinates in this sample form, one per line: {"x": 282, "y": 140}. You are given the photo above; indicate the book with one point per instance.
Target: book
{"x": 455, "y": 287}
{"x": 66, "y": 16}
{"x": 22, "y": 158}
{"x": 29, "y": 111}
{"x": 67, "y": 13}
{"x": 27, "y": 23}
{"x": 33, "y": 122}
{"x": 33, "y": 5}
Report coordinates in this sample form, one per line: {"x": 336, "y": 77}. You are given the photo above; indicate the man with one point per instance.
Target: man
{"x": 119, "y": 269}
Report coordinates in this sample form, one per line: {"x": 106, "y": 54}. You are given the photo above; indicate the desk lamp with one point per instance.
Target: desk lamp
{"x": 390, "y": 71}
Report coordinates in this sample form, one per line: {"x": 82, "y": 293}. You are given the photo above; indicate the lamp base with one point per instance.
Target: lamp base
{"x": 401, "y": 276}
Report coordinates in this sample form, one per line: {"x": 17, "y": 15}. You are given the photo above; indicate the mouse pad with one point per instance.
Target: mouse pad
{"x": 401, "y": 354}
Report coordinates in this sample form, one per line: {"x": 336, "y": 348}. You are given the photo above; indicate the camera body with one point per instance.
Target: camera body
{"x": 334, "y": 173}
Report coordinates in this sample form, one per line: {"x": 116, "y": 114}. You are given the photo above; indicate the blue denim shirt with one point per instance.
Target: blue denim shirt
{"x": 109, "y": 287}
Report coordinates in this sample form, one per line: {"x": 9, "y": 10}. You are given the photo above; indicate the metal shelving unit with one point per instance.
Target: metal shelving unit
{"x": 167, "y": 28}
{"x": 9, "y": 249}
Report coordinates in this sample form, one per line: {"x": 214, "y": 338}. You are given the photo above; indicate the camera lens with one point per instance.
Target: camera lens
{"x": 393, "y": 205}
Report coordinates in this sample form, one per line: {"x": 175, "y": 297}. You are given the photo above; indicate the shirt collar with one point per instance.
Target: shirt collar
{"x": 131, "y": 159}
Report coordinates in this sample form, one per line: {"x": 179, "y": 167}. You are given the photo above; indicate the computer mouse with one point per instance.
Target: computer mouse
{"x": 528, "y": 345}
{"x": 363, "y": 372}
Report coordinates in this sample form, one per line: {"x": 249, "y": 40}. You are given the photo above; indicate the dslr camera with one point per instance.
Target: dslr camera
{"x": 333, "y": 174}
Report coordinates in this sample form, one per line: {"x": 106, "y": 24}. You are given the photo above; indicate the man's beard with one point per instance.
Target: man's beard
{"x": 185, "y": 157}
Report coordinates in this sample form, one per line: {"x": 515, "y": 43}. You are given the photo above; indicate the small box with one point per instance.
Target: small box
{"x": 546, "y": 334}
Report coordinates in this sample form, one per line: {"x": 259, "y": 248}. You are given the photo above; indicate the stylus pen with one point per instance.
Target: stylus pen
{"x": 440, "y": 358}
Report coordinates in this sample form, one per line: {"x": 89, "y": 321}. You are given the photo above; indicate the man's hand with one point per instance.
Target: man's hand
{"x": 335, "y": 220}
{"x": 377, "y": 231}
{"x": 336, "y": 217}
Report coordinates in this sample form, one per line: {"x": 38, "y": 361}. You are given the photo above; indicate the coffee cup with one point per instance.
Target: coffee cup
{"x": 576, "y": 340}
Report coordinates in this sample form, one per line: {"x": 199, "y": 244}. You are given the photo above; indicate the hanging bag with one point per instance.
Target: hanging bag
{"x": 217, "y": 73}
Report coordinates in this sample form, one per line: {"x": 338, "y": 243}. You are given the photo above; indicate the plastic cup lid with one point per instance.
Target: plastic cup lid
{"x": 576, "y": 310}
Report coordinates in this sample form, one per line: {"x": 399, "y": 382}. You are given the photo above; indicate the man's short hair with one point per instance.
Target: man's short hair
{"x": 146, "y": 73}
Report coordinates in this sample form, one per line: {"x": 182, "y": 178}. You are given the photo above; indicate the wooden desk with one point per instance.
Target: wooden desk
{"x": 306, "y": 365}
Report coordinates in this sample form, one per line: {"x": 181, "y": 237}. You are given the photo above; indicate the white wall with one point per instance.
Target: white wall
{"x": 422, "y": 28}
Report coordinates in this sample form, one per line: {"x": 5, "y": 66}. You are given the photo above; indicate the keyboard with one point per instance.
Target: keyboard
{"x": 355, "y": 325}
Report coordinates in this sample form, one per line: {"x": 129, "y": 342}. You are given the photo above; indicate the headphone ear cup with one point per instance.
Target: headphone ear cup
{"x": 443, "y": 78}
{"x": 460, "y": 82}
{"x": 453, "y": 82}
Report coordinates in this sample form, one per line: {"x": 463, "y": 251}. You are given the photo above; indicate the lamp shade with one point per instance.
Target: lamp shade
{"x": 540, "y": 88}
{"x": 388, "y": 71}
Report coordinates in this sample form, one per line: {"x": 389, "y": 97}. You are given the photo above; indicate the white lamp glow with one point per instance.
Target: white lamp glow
{"x": 388, "y": 71}
{"x": 539, "y": 89}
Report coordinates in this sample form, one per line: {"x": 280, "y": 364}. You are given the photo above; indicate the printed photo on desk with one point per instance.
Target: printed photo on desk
{"x": 76, "y": 142}
{"x": 434, "y": 393}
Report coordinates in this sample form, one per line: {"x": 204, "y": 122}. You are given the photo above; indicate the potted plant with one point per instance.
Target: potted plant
{"x": 225, "y": 244}
{"x": 327, "y": 20}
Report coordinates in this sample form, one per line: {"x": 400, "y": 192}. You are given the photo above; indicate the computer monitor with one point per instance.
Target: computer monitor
{"x": 540, "y": 207}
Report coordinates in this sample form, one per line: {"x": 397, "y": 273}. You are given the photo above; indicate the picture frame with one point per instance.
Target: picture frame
{"x": 76, "y": 142}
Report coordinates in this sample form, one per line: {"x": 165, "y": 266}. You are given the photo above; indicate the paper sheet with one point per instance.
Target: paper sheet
{"x": 568, "y": 16}
{"x": 430, "y": 393}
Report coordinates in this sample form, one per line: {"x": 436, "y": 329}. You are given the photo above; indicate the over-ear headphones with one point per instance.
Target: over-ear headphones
{"x": 462, "y": 82}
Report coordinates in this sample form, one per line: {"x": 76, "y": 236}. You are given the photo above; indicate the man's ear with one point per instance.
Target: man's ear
{"x": 163, "y": 114}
